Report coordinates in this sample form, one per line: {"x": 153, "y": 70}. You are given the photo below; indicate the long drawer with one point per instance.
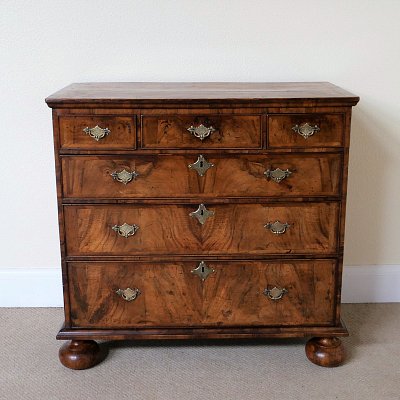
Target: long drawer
{"x": 173, "y": 294}
{"x": 209, "y": 176}
{"x": 299, "y": 228}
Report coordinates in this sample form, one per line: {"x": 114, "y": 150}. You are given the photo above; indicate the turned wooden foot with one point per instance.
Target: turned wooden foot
{"x": 326, "y": 352}
{"x": 80, "y": 354}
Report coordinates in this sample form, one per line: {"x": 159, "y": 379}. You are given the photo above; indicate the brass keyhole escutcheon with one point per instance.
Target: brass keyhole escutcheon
{"x": 202, "y": 214}
{"x": 201, "y": 165}
{"x": 202, "y": 271}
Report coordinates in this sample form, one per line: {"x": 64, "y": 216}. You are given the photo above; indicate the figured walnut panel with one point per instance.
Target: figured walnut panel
{"x": 234, "y": 229}
{"x": 170, "y": 295}
{"x": 122, "y": 132}
{"x": 171, "y": 131}
{"x": 232, "y": 176}
{"x": 281, "y": 133}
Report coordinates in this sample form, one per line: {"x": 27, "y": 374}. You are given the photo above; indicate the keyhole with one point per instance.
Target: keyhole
{"x": 201, "y": 164}
{"x": 201, "y": 212}
{"x": 203, "y": 269}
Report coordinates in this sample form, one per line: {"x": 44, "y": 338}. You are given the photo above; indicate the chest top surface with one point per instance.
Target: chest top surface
{"x": 200, "y": 92}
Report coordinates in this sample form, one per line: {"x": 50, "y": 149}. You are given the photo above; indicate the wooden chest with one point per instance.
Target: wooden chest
{"x": 201, "y": 210}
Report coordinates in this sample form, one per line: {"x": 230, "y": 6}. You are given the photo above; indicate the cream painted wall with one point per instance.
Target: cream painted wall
{"x": 45, "y": 45}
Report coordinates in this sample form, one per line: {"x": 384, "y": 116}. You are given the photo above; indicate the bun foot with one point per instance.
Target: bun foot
{"x": 325, "y": 352}
{"x": 80, "y": 354}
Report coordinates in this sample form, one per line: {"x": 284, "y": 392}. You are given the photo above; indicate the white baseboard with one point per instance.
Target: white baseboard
{"x": 43, "y": 287}
{"x": 34, "y": 287}
{"x": 371, "y": 284}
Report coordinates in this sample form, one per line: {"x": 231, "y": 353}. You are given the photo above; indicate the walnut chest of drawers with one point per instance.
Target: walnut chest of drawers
{"x": 201, "y": 210}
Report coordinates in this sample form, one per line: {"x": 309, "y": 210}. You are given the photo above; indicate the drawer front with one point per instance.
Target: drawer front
{"x": 97, "y": 132}
{"x": 171, "y": 294}
{"x": 232, "y": 229}
{"x": 305, "y": 130}
{"x": 201, "y": 132}
{"x": 229, "y": 176}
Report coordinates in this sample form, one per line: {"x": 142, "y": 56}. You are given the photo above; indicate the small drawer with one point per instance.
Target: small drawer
{"x": 192, "y": 293}
{"x": 191, "y": 229}
{"x": 201, "y": 132}
{"x": 207, "y": 176}
{"x": 97, "y": 132}
{"x": 305, "y": 130}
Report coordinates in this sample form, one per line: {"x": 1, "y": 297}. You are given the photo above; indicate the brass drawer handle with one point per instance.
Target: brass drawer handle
{"x": 277, "y": 175}
{"x": 201, "y": 165}
{"x": 125, "y": 229}
{"x": 277, "y": 227}
{"x": 128, "y": 294}
{"x": 124, "y": 176}
{"x": 202, "y": 214}
{"x": 274, "y": 293}
{"x": 306, "y": 130}
{"x": 202, "y": 271}
{"x": 97, "y": 133}
{"x": 201, "y": 131}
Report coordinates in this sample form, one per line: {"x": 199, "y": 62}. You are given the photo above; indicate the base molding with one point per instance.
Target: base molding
{"x": 202, "y": 333}
{"x": 34, "y": 287}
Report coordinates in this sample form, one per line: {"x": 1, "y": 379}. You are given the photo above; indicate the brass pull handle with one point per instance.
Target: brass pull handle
{"x": 277, "y": 175}
{"x": 125, "y": 229}
{"x": 202, "y": 214}
{"x": 277, "y": 227}
{"x": 274, "y": 293}
{"x": 306, "y": 130}
{"x": 202, "y": 271}
{"x": 201, "y": 165}
{"x": 128, "y": 294}
{"x": 201, "y": 131}
{"x": 124, "y": 176}
{"x": 97, "y": 133}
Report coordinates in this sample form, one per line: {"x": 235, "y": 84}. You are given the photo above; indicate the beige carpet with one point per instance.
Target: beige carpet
{"x": 279, "y": 370}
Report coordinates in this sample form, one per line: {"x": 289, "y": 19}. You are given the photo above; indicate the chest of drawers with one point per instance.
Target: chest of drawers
{"x": 201, "y": 210}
